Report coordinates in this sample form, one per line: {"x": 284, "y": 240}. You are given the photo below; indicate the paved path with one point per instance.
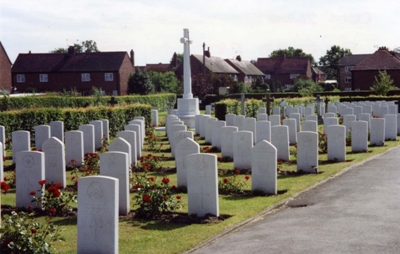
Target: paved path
{"x": 355, "y": 212}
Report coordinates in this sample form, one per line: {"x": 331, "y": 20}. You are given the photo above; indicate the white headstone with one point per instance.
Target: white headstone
{"x": 130, "y": 137}
{"x": 311, "y": 118}
{"x": 307, "y": 151}
{"x": 229, "y": 119}
{"x": 336, "y": 142}
{"x": 227, "y": 141}
{"x": 365, "y": 117}
{"x": 121, "y": 145}
{"x": 115, "y": 164}
{"x": 264, "y": 168}
{"x": 88, "y": 138}
{"x": 3, "y": 136}
{"x": 381, "y": 111}
{"x": 57, "y": 130}
{"x": 291, "y": 124}
{"x": 358, "y": 110}
{"x": 202, "y": 179}
{"x": 29, "y": 168}
{"x": 197, "y": 124}
{"x": 393, "y": 109}
{"x": 309, "y": 111}
{"x": 367, "y": 109}
{"x": 297, "y": 117}
{"x": 208, "y": 109}
{"x": 310, "y": 126}
{"x": 42, "y": 133}
{"x": 347, "y": 121}
{"x": 208, "y": 127}
{"x": 74, "y": 147}
{"x": 276, "y": 111}
{"x": 178, "y": 136}
{"x": 140, "y": 132}
{"x": 21, "y": 141}
{"x": 262, "y": 110}
{"x": 154, "y": 117}
{"x": 275, "y": 120}
{"x": 249, "y": 124}
{"x": 262, "y": 117}
{"x": 202, "y": 123}
{"x": 359, "y": 136}
{"x": 1, "y": 168}
{"x": 263, "y": 131}
{"x": 238, "y": 122}
{"x": 54, "y": 153}
{"x": 390, "y": 126}
{"x": 326, "y": 115}
{"x": 175, "y": 128}
{"x": 141, "y": 121}
{"x": 136, "y": 129}
{"x": 348, "y": 111}
{"x": 98, "y": 215}
{"x": 329, "y": 121}
{"x": 106, "y": 129}
{"x": 216, "y": 133}
{"x": 377, "y": 137}
{"x": 98, "y": 133}
{"x": 242, "y": 144}
{"x": 280, "y": 139}
{"x": 184, "y": 148}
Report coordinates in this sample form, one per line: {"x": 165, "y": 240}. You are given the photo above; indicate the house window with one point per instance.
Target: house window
{"x": 347, "y": 89}
{"x": 115, "y": 92}
{"x": 43, "y": 78}
{"x": 85, "y": 77}
{"x": 245, "y": 78}
{"x": 20, "y": 78}
{"x": 288, "y": 86}
{"x": 267, "y": 76}
{"x": 347, "y": 79}
{"x": 108, "y": 76}
{"x": 235, "y": 77}
{"x": 348, "y": 68}
{"x": 292, "y": 76}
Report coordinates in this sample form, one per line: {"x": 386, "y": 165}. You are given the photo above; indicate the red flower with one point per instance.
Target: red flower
{"x": 178, "y": 197}
{"x": 237, "y": 171}
{"x": 41, "y": 182}
{"x": 225, "y": 180}
{"x": 155, "y": 158}
{"x": 29, "y": 207}
{"x": 173, "y": 187}
{"x": 4, "y": 158}
{"x": 146, "y": 199}
{"x": 33, "y": 230}
{"x": 72, "y": 178}
{"x": 51, "y": 189}
{"x": 73, "y": 161}
{"x": 247, "y": 177}
{"x": 165, "y": 180}
{"x": 5, "y": 178}
{"x": 151, "y": 179}
{"x": 32, "y": 193}
{"x": 56, "y": 193}
{"x": 58, "y": 185}
{"x": 161, "y": 145}
{"x": 220, "y": 159}
{"x": 5, "y": 186}
{"x": 149, "y": 156}
{"x": 136, "y": 186}
{"x": 165, "y": 197}
{"x": 278, "y": 169}
{"x": 52, "y": 211}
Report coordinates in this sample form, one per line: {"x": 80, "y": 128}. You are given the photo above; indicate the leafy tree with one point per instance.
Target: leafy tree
{"x": 330, "y": 62}
{"x": 139, "y": 83}
{"x": 239, "y": 87}
{"x": 397, "y": 50}
{"x": 259, "y": 86}
{"x": 276, "y": 86}
{"x": 290, "y": 52}
{"x": 85, "y": 47}
{"x": 383, "y": 84}
{"x": 305, "y": 87}
{"x": 201, "y": 86}
{"x": 179, "y": 58}
{"x": 164, "y": 81}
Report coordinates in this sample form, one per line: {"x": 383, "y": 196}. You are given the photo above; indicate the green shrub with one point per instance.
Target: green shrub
{"x": 228, "y": 106}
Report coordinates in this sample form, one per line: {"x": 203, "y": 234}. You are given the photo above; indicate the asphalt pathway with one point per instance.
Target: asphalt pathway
{"x": 357, "y": 211}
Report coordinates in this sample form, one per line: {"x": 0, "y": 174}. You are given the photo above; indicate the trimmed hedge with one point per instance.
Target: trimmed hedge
{"x": 160, "y": 101}
{"x": 230, "y": 106}
{"x": 118, "y": 117}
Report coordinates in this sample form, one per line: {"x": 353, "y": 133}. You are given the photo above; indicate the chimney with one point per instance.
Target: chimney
{"x": 71, "y": 51}
{"x": 383, "y": 48}
{"x": 207, "y": 53}
{"x": 29, "y": 52}
{"x": 133, "y": 58}
{"x": 204, "y": 59}
{"x": 174, "y": 62}
{"x": 239, "y": 58}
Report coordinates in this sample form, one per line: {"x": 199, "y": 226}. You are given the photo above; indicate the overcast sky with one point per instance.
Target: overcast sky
{"x": 153, "y": 28}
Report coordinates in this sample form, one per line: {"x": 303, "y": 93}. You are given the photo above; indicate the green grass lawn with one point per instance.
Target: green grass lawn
{"x": 144, "y": 236}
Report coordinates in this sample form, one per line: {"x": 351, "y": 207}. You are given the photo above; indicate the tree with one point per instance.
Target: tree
{"x": 259, "y": 86}
{"x": 290, "y": 52}
{"x": 179, "y": 58}
{"x": 164, "y": 81}
{"x": 201, "y": 86}
{"x": 85, "y": 47}
{"x": 330, "y": 62}
{"x": 383, "y": 84}
{"x": 305, "y": 87}
{"x": 139, "y": 83}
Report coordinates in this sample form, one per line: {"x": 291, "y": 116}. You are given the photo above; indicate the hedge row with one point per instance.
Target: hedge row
{"x": 118, "y": 117}
{"x": 230, "y": 106}
{"x": 160, "y": 101}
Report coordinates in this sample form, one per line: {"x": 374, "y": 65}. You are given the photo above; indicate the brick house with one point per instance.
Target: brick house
{"x": 364, "y": 73}
{"x": 162, "y": 67}
{"x": 346, "y": 63}
{"x": 317, "y": 75}
{"x": 55, "y": 72}
{"x": 284, "y": 69}
{"x": 5, "y": 69}
{"x": 247, "y": 71}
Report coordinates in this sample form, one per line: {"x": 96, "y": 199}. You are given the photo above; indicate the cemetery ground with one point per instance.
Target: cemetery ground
{"x": 177, "y": 235}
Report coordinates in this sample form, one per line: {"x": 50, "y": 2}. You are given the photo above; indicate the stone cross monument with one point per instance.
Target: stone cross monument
{"x": 188, "y": 106}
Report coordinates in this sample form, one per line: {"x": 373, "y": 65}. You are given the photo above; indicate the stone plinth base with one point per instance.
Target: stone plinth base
{"x": 187, "y": 109}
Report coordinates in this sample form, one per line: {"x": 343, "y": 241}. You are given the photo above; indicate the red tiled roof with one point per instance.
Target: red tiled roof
{"x": 352, "y": 60}
{"x": 280, "y": 65}
{"x": 158, "y": 67}
{"x": 60, "y": 62}
{"x": 382, "y": 59}
{"x": 5, "y": 52}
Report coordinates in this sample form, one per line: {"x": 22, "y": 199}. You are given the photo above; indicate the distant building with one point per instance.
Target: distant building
{"x": 162, "y": 67}
{"x": 5, "y": 69}
{"x": 317, "y": 75}
{"x": 247, "y": 71}
{"x": 55, "y": 72}
{"x": 284, "y": 69}
{"x": 346, "y": 63}
{"x": 364, "y": 73}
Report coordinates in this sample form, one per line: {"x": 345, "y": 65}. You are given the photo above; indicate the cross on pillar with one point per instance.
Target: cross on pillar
{"x": 269, "y": 100}
{"x": 187, "y": 76}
